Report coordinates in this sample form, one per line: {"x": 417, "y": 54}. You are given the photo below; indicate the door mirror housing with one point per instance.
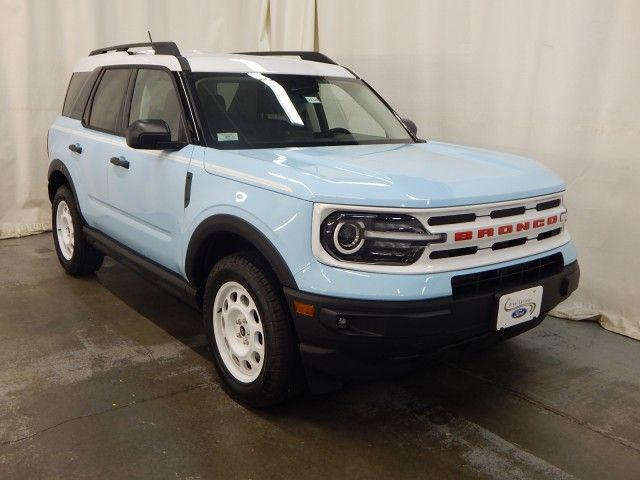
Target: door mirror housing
{"x": 151, "y": 135}
{"x": 411, "y": 126}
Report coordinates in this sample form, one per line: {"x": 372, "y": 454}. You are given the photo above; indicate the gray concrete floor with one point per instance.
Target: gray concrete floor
{"x": 108, "y": 377}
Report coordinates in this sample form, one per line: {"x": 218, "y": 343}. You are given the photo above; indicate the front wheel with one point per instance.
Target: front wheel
{"x": 249, "y": 331}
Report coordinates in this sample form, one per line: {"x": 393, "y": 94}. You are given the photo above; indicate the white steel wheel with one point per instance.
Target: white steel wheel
{"x": 238, "y": 332}
{"x": 64, "y": 227}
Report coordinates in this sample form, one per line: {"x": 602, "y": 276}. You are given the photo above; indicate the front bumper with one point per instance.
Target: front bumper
{"x": 379, "y": 337}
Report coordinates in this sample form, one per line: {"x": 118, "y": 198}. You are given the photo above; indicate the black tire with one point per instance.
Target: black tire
{"x": 85, "y": 259}
{"x": 280, "y": 377}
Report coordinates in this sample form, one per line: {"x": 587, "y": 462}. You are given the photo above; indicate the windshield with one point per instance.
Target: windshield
{"x": 255, "y": 110}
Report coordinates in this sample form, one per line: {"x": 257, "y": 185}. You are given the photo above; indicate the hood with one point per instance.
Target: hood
{"x": 418, "y": 175}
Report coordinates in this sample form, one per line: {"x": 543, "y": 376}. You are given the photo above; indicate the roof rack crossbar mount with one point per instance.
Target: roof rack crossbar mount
{"x": 160, "y": 48}
{"x": 304, "y": 55}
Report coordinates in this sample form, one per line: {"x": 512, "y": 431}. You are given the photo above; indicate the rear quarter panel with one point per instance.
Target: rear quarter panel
{"x": 63, "y": 132}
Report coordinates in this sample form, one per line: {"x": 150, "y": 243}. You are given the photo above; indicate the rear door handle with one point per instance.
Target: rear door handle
{"x": 75, "y": 147}
{"x": 120, "y": 162}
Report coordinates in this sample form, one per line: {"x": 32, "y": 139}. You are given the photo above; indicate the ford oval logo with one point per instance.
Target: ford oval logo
{"x": 519, "y": 312}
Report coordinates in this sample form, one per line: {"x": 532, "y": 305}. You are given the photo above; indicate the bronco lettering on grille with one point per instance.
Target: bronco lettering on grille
{"x": 507, "y": 229}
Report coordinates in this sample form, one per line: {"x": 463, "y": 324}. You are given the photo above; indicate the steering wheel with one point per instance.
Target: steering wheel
{"x": 333, "y": 131}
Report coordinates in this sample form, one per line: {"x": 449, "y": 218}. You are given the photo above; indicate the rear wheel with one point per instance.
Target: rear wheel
{"x": 249, "y": 331}
{"x": 75, "y": 254}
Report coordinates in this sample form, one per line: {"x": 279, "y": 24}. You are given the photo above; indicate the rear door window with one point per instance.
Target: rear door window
{"x": 107, "y": 101}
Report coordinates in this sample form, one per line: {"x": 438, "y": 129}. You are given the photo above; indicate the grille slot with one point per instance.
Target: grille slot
{"x": 549, "y": 204}
{"x": 549, "y": 233}
{"x": 502, "y": 278}
{"x": 508, "y": 212}
{"x": 454, "y": 252}
{"x": 509, "y": 243}
{"x": 449, "y": 219}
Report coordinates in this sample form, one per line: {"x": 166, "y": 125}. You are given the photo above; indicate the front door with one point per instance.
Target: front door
{"x": 146, "y": 187}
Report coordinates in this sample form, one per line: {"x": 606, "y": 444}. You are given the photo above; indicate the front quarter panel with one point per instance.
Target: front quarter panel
{"x": 284, "y": 220}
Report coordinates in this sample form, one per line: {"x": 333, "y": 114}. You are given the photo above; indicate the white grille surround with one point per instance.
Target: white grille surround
{"x": 494, "y": 240}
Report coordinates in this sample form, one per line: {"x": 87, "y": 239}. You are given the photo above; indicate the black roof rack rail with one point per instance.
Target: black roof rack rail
{"x": 304, "y": 55}
{"x": 160, "y": 48}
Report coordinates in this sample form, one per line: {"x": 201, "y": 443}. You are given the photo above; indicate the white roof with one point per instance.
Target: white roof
{"x": 217, "y": 62}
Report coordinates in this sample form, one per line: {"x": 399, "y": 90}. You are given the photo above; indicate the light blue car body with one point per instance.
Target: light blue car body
{"x": 275, "y": 189}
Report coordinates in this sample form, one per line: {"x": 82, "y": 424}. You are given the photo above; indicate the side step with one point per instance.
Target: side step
{"x": 156, "y": 274}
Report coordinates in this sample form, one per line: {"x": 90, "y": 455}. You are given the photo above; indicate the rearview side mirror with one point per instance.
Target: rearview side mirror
{"x": 151, "y": 135}
{"x": 411, "y": 126}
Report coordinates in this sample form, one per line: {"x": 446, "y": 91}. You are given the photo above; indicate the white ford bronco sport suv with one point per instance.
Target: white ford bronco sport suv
{"x": 280, "y": 194}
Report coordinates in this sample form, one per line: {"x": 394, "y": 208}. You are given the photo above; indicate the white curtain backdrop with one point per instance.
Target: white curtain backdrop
{"x": 556, "y": 80}
{"x": 290, "y": 25}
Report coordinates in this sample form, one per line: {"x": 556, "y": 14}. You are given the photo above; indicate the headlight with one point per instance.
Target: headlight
{"x": 381, "y": 238}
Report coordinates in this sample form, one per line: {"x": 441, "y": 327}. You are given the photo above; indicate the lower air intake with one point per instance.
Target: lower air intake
{"x": 500, "y": 278}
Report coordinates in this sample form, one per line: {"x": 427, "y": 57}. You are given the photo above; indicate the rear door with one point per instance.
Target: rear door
{"x": 147, "y": 198}
{"x": 101, "y": 134}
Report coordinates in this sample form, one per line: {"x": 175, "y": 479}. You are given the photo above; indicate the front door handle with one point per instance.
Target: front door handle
{"x": 75, "y": 147}
{"x": 120, "y": 162}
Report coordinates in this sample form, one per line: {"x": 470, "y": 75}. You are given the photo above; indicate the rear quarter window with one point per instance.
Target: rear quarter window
{"x": 77, "y": 94}
{"x": 108, "y": 99}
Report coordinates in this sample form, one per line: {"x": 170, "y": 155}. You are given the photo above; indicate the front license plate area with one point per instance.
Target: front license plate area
{"x": 518, "y": 307}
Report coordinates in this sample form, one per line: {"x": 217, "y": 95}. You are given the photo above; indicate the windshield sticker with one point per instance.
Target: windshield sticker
{"x": 312, "y": 99}
{"x": 227, "y": 137}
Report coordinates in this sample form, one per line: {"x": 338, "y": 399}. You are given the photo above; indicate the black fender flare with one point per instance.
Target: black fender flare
{"x": 224, "y": 223}
{"x": 57, "y": 165}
